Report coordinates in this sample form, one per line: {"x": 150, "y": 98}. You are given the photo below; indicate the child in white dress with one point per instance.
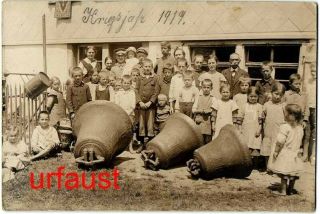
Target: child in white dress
{"x": 251, "y": 127}
{"x": 224, "y": 110}
{"x": 273, "y": 114}
{"x": 285, "y": 159}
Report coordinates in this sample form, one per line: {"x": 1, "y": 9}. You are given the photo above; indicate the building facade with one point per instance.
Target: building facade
{"x": 282, "y": 32}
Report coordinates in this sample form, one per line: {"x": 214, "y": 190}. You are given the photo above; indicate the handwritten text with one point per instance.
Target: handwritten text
{"x": 115, "y": 22}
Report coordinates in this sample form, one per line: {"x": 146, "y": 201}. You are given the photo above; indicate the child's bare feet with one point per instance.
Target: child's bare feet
{"x": 276, "y": 192}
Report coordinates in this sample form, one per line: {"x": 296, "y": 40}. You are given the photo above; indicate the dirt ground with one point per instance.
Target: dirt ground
{"x": 171, "y": 189}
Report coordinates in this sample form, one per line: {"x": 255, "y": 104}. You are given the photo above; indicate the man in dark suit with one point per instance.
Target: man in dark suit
{"x": 234, "y": 73}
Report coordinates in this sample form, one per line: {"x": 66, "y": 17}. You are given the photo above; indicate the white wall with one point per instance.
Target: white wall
{"x": 29, "y": 59}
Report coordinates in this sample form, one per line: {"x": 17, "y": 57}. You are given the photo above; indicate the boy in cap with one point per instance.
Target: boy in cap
{"x": 165, "y": 59}
{"x": 131, "y": 60}
{"x": 121, "y": 62}
{"x": 142, "y": 54}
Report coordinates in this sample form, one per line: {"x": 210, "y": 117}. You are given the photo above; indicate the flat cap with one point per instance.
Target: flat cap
{"x": 142, "y": 50}
{"x": 120, "y": 51}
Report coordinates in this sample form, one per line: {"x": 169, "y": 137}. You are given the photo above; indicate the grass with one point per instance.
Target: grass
{"x": 148, "y": 193}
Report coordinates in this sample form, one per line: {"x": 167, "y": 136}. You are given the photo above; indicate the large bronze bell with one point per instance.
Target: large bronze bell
{"x": 225, "y": 156}
{"x": 103, "y": 131}
{"x": 178, "y": 139}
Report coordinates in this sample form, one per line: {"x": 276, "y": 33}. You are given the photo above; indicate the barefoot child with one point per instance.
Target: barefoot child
{"x": 56, "y": 104}
{"x": 202, "y": 110}
{"x": 285, "y": 159}
{"x": 224, "y": 110}
{"x": 187, "y": 95}
{"x": 273, "y": 114}
{"x": 44, "y": 139}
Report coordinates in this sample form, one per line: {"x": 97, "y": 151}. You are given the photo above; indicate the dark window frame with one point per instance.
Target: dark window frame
{"x": 276, "y": 65}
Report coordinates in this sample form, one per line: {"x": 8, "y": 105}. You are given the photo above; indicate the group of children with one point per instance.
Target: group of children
{"x": 272, "y": 121}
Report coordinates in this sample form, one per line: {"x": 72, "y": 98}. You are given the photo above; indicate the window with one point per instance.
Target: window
{"x": 222, "y": 53}
{"x": 285, "y": 59}
{"x": 82, "y": 52}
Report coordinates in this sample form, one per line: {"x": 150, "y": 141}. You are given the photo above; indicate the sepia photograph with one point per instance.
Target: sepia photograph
{"x": 159, "y": 106}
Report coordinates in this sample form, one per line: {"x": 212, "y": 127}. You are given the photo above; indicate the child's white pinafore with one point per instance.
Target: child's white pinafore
{"x": 224, "y": 114}
{"x": 250, "y": 125}
{"x": 287, "y": 162}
